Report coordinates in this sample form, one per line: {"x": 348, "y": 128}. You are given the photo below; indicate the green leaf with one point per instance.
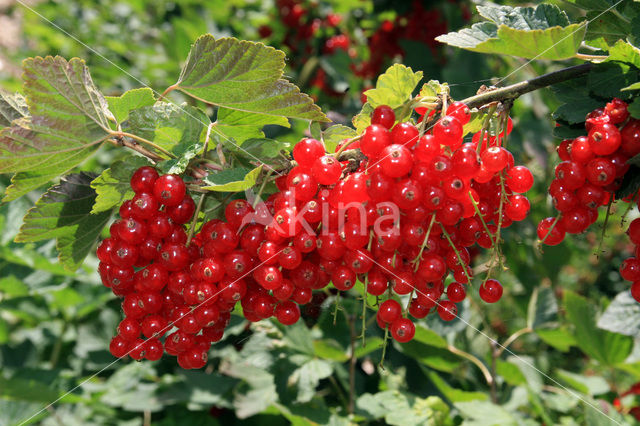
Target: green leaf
{"x": 371, "y": 345}
{"x": 429, "y": 337}
{"x": 308, "y": 377}
{"x": 510, "y": 373}
{"x": 624, "y": 52}
{"x": 631, "y": 180}
{"x": 113, "y": 185}
{"x": 184, "y": 152}
{"x": 634, "y": 108}
{"x": 543, "y": 308}
{"x": 362, "y": 120}
{"x": 232, "y": 180}
{"x": 329, "y": 349}
{"x": 25, "y": 182}
{"x": 484, "y": 413}
{"x": 605, "y": 29}
{"x": 63, "y": 212}
{"x": 622, "y": 315}
{"x": 606, "y": 347}
{"x": 540, "y": 33}
{"x": 334, "y": 135}
{"x": 33, "y": 390}
{"x": 589, "y": 385}
{"x": 240, "y": 125}
{"x": 634, "y": 86}
{"x": 451, "y": 393}
{"x": 172, "y": 127}
{"x": 261, "y": 148}
{"x": 120, "y": 106}
{"x": 68, "y": 120}
{"x": 12, "y": 107}
{"x": 401, "y": 409}
{"x": 576, "y": 112}
{"x": 606, "y": 80}
{"x": 394, "y": 87}
{"x": 598, "y": 5}
{"x": 438, "y": 358}
{"x": 558, "y": 338}
{"x": 12, "y": 286}
{"x": 245, "y": 76}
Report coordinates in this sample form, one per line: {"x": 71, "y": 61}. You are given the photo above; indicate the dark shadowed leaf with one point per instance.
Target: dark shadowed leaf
{"x": 64, "y": 213}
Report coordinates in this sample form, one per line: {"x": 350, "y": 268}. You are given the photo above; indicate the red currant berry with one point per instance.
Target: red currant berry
{"x": 491, "y": 291}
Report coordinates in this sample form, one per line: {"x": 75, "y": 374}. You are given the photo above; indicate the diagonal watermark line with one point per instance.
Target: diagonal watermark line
{"x": 23, "y": 4}
{"x": 504, "y": 348}
{"x": 164, "y": 330}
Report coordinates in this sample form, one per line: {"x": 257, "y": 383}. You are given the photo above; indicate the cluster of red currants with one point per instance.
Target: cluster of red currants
{"x": 591, "y": 170}
{"x": 400, "y": 219}
{"x": 148, "y": 262}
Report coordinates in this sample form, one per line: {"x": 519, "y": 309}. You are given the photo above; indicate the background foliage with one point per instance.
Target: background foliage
{"x": 577, "y": 348}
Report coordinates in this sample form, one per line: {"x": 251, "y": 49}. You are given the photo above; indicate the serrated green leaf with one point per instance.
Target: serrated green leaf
{"x": 433, "y": 88}
{"x": 232, "y": 180}
{"x": 606, "y": 80}
{"x": 240, "y": 125}
{"x": 604, "y": 346}
{"x": 25, "y": 182}
{"x": 315, "y": 129}
{"x": 624, "y": 52}
{"x": 68, "y": 120}
{"x": 113, "y": 185}
{"x": 540, "y": 33}
{"x": 362, "y": 120}
{"x": 245, "y": 76}
{"x": 334, "y": 135}
{"x": 63, "y": 212}
{"x": 622, "y": 315}
{"x": 401, "y": 409}
{"x": 12, "y": 107}
{"x": 525, "y": 18}
{"x": 120, "y": 106}
{"x": 543, "y": 308}
{"x": 576, "y": 112}
{"x": 394, "y": 87}
{"x": 605, "y": 29}
{"x": 172, "y": 127}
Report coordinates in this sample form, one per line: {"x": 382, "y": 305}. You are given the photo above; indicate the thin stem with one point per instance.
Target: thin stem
{"x": 138, "y": 148}
{"x": 346, "y": 144}
{"x": 206, "y": 140}
{"x": 455, "y": 249}
{"x": 587, "y": 57}
{"x": 146, "y": 142}
{"x": 604, "y": 226}
{"x": 512, "y": 339}
{"x": 168, "y": 90}
{"x": 516, "y": 90}
{"x": 479, "y": 213}
{"x": 352, "y": 363}
{"x": 192, "y": 228}
{"x": 384, "y": 345}
{"x": 424, "y": 244}
{"x": 485, "y": 371}
{"x": 553, "y": 225}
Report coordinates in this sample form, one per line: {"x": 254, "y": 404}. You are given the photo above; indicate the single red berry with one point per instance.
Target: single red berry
{"x": 143, "y": 179}
{"x": 405, "y": 134}
{"x": 307, "y": 151}
{"x": 169, "y": 189}
{"x": 326, "y": 170}
{"x": 519, "y": 179}
{"x": 456, "y": 292}
{"x": 287, "y": 312}
{"x": 550, "y": 231}
{"x": 119, "y": 347}
{"x": 396, "y": 161}
{"x": 447, "y": 310}
{"x": 448, "y": 131}
{"x": 384, "y": 116}
{"x": 403, "y": 330}
{"x": 491, "y": 291}
{"x": 389, "y": 311}
{"x": 605, "y": 139}
{"x": 374, "y": 139}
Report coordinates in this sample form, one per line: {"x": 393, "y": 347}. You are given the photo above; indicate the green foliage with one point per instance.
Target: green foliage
{"x": 121, "y": 106}
{"x": 543, "y": 32}
{"x": 112, "y": 186}
{"x": 244, "y": 76}
{"x": 394, "y": 87}
{"x": 232, "y": 180}
{"x": 64, "y": 213}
